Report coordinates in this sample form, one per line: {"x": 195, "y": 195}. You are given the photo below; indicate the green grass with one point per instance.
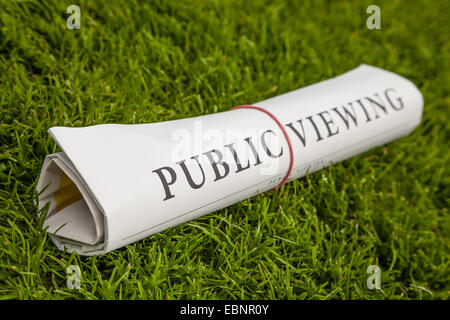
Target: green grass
{"x": 138, "y": 63}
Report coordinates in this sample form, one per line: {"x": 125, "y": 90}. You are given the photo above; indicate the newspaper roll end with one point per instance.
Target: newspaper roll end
{"x": 73, "y": 218}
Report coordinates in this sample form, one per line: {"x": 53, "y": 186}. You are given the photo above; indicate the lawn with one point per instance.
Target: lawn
{"x": 139, "y": 63}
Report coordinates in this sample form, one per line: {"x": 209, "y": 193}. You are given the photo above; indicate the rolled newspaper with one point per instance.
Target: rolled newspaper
{"x": 115, "y": 184}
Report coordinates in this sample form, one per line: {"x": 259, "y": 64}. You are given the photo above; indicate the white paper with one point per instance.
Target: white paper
{"x": 123, "y": 183}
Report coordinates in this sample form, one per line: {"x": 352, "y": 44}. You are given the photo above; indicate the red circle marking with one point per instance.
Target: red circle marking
{"x": 291, "y": 151}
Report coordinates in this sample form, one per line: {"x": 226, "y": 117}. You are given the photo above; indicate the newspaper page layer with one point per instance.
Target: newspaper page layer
{"x": 115, "y": 184}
